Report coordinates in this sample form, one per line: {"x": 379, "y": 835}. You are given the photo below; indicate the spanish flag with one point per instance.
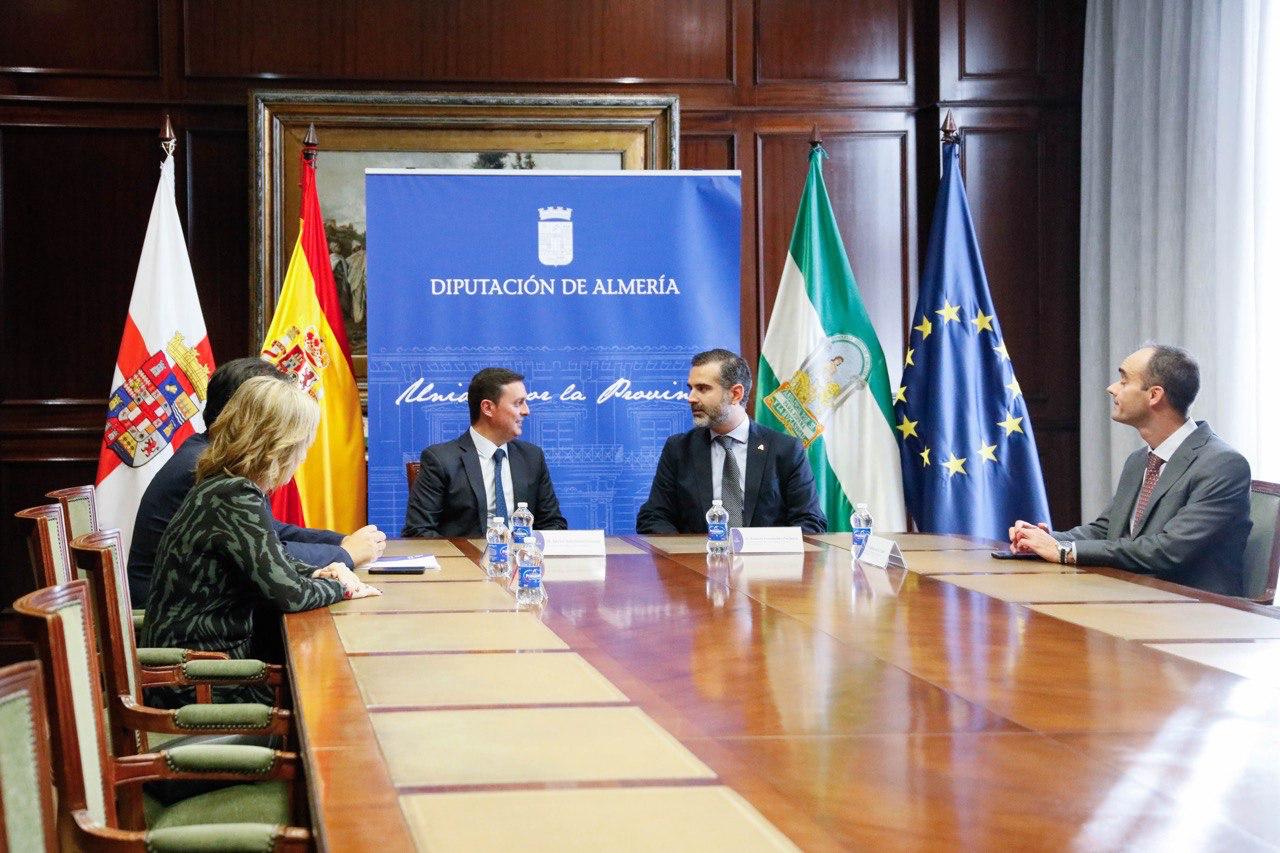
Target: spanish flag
{"x": 307, "y": 340}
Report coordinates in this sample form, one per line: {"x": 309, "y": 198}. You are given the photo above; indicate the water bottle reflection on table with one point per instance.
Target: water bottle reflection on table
{"x": 719, "y": 567}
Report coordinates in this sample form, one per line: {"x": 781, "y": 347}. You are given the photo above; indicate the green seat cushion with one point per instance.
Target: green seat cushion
{"x": 139, "y": 618}
{"x": 212, "y": 670}
{"x": 232, "y": 715}
{"x": 222, "y": 838}
{"x": 262, "y": 802}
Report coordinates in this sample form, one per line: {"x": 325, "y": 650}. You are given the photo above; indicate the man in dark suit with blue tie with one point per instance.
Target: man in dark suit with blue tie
{"x": 485, "y": 471}
{"x": 1181, "y": 510}
{"x": 762, "y": 476}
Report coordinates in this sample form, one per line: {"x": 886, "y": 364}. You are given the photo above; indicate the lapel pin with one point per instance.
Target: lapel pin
{"x": 760, "y": 447}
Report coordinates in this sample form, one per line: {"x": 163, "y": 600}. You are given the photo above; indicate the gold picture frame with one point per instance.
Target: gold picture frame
{"x": 379, "y": 129}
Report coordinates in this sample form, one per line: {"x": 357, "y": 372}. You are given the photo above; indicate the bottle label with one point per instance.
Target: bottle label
{"x": 497, "y": 552}
{"x": 860, "y": 537}
{"x": 520, "y": 532}
{"x": 718, "y": 531}
{"x": 530, "y": 576}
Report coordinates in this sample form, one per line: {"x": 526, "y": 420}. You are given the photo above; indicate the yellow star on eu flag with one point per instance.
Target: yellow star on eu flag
{"x": 907, "y": 427}
{"x": 1004, "y": 353}
{"x": 924, "y": 328}
{"x": 988, "y": 452}
{"x": 1014, "y": 388}
{"x": 910, "y": 352}
{"x": 900, "y": 396}
{"x": 948, "y": 312}
{"x": 983, "y": 322}
{"x": 955, "y": 466}
{"x": 1010, "y": 424}
{"x": 924, "y": 455}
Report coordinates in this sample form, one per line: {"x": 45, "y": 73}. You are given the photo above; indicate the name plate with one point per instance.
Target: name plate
{"x": 882, "y": 553}
{"x": 770, "y": 567}
{"x": 767, "y": 540}
{"x": 575, "y": 569}
{"x": 570, "y": 543}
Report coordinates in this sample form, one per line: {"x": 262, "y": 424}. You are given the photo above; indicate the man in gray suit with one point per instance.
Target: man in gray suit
{"x": 1181, "y": 510}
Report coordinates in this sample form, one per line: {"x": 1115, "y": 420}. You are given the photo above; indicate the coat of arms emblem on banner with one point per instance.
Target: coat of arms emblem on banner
{"x": 301, "y": 355}
{"x": 555, "y": 236}
{"x": 829, "y": 375}
{"x": 146, "y": 410}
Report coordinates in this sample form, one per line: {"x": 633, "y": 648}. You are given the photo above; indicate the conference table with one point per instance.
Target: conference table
{"x": 659, "y": 701}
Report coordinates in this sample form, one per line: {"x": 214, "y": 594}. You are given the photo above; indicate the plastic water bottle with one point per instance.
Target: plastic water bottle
{"x": 521, "y": 523}
{"x": 497, "y": 563}
{"x": 529, "y": 589}
{"x": 717, "y": 529}
{"x": 860, "y": 523}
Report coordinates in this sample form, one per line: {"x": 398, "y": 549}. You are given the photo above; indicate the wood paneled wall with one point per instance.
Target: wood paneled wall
{"x": 84, "y": 84}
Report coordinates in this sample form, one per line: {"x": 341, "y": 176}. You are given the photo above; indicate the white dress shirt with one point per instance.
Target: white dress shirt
{"x": 739, "y": 434}
{"x": 486, "y": 448}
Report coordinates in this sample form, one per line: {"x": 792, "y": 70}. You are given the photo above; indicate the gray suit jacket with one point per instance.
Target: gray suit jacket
{"x": 1196, "y": 523}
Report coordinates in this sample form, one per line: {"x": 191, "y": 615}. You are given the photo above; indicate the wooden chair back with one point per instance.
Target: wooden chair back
{"x": 1262, "y": 550}
{"x": 411, "y": 470}
{"x": 46, "y": 535}
{"x": 25, "y": 775}
{"x": 79, "y": 509}
{"x": 63, "y": 632}
{"x": 98, "y": 558}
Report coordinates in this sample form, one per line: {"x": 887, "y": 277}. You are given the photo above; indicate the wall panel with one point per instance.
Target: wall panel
{"x": 461, "y": 40}
{"x": 78, "y": 159}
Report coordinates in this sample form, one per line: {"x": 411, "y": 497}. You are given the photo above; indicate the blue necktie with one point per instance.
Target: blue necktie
{"x": 499, "y": 496}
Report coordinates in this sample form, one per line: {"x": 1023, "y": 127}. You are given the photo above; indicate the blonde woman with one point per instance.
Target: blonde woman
{"x": 219, "y": 559}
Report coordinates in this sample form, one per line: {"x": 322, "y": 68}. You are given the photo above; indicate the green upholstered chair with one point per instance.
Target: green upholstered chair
{"x": 43, "y": 528}
{"x": 97, "y": 557}
{"x": 26, "y": 787}
{"x": 79, "y": 511}
{"x": 253, "y": 815}
{"x": 1262, "y": 550}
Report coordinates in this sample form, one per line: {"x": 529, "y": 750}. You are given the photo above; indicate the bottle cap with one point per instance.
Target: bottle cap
{"x": 522, "y": 505}
{"x": 497, "y": 519}
{"x": 717, "y": 503}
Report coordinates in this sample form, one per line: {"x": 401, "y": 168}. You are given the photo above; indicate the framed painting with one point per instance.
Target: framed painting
{"x": 359, "y": 130}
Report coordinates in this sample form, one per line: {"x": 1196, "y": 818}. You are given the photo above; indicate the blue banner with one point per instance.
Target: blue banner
{"x": 597, "y": 286}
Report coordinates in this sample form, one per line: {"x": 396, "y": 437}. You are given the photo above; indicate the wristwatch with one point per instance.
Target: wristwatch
{"x": 1064, "y": 551}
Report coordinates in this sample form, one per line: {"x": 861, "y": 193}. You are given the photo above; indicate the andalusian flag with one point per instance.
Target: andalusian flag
{"x": 307, "y": 339}
{"x": 822, "y": 375}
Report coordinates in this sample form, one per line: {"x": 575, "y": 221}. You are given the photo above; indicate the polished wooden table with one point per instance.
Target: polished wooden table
{"x": 968, "y": 703}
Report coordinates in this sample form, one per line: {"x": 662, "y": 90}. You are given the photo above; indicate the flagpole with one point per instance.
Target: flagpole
{"x": 310, "y": 145}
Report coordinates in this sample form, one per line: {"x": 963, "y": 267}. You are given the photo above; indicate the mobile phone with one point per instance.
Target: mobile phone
{"x": 397, "y": 570}
{"x": 1009, "y": 555}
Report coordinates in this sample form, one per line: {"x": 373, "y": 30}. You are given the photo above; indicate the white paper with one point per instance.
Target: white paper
{"x": 767, "y": 540}
{"x": 882, "y": 553}
{"x": 570, "y": 543}
{"x": 423, "y": 561}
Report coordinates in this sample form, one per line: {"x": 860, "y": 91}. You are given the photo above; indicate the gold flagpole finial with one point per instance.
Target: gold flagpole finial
{"x": 950, "y": 131}
{"x": 168, "y": 140}
{"x": 310, "y": 144}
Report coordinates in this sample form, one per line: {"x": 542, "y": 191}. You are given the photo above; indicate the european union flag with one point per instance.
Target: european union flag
{"x": 969, "y": 461}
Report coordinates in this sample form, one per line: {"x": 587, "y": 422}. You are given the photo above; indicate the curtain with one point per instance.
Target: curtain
{"x": 1180, "y": 235}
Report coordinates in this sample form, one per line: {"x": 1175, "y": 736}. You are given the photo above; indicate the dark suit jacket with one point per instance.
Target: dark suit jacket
{"x": 164, "y": 495}
{"x": 1196, "y": 524}
{"x": 448, "y": 498}
{"x": 777, "y": 489}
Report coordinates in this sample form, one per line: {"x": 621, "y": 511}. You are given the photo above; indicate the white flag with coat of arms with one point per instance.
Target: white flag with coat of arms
{"x": 162, "y": 370}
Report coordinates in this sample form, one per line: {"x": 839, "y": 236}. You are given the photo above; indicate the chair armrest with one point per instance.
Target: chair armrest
{"x": 235, "y": 763}
{"x": 223, "y": 836}
{"x": 207, "y": 719}
{"x": 150, "y": 656}
{"x": 139, "y": 619}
